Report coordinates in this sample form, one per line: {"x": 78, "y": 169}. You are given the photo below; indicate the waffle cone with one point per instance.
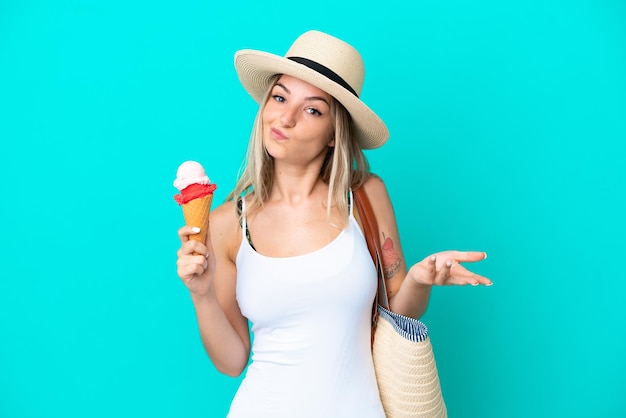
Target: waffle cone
{"x": 196, "y": 213}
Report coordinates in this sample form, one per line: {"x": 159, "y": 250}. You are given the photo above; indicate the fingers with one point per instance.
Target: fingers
{"x": 192, "y": 255}
{"x": 192, "y": 259}
{"x": 443, "y": 274}
{"x": 444, "y": 269}
{"x": 459, "y": 275}
{"x": 185, "y": 231}
{"x": 426, "y": 272}
{"x": 465, "y": 256}
{"x": 190, "y": 266}
{"x": 192, "y": 247}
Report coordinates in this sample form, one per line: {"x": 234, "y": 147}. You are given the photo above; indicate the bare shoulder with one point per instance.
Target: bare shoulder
{"x": 377, "y": 192}
{"x": 225, "y": 228}
{"x": 225, "y": 213}
{"x": 381, "y": 204}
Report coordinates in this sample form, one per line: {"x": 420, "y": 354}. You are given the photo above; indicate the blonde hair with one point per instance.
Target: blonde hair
{"x": 344, "y": 167}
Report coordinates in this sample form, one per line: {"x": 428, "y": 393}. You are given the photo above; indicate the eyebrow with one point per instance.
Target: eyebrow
{"x": 306, "y": 98}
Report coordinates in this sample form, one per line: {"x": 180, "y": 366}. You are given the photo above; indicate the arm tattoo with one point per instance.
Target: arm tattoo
{"x": 391, "y": 259}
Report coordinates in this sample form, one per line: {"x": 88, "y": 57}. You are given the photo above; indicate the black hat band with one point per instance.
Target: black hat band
{"x": 325, "y": 71}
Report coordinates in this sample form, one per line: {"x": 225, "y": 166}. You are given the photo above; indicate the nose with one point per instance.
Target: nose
{"x": 288, "y": 117}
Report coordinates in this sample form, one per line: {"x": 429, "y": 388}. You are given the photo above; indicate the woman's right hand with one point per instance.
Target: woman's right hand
{"x": 195, "y": 264}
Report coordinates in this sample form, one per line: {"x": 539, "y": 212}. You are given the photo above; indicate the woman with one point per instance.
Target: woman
{"x": 287, "y": 253}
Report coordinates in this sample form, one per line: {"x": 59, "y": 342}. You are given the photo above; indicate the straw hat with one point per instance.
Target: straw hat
{"x": 325, "y": 62}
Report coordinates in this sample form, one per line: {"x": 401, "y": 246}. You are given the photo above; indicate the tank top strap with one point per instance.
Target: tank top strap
{"x": 350, "y": 201}
{"x": 241, "y": 210}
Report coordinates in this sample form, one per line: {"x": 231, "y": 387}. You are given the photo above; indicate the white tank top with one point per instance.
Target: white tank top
{"x": 311, "y": 325}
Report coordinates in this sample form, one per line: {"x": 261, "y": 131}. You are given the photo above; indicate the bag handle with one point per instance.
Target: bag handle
{"x": 372, "y": 238}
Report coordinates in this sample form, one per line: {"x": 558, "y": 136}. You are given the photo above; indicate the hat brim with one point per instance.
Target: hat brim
{"x": 256, "y": 69}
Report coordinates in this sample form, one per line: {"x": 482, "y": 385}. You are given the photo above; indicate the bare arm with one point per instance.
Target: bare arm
{"x": 409, "y": 289}
{"x": 211, "y": 279}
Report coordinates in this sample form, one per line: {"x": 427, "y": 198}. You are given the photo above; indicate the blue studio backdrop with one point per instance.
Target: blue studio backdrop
{"x": 508, "y": 125}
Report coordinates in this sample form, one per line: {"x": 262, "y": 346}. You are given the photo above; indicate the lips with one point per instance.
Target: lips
{"x": 277, "y": 134}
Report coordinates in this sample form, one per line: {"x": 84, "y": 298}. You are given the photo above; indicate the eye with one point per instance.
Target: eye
{"x": 313, "y": 111}
{"x": 278, "y": 98}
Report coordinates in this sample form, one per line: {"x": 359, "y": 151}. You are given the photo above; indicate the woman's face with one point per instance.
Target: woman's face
{"x": 297, "y": 124}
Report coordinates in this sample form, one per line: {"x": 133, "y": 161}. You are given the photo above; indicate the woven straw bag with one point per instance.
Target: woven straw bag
{"x": 405, "y": 366}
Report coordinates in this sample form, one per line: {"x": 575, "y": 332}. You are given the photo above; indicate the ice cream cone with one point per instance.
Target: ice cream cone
{"x": 196, "y": 195}
{"x": 196, "y": 213}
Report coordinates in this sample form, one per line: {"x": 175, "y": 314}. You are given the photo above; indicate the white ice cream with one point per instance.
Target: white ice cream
{"x": 190, "y": 172}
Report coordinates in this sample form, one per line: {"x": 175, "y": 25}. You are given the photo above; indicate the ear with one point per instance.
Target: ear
{"x": 331, "y": 143}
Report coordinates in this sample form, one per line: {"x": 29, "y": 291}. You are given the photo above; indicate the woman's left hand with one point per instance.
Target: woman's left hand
{"x": 444, "y": 268}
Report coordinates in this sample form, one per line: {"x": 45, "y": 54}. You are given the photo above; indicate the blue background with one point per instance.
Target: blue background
{"x": 508, "y": 123}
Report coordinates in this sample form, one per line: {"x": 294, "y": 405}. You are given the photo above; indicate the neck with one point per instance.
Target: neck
{"x": 294, "y": 185}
